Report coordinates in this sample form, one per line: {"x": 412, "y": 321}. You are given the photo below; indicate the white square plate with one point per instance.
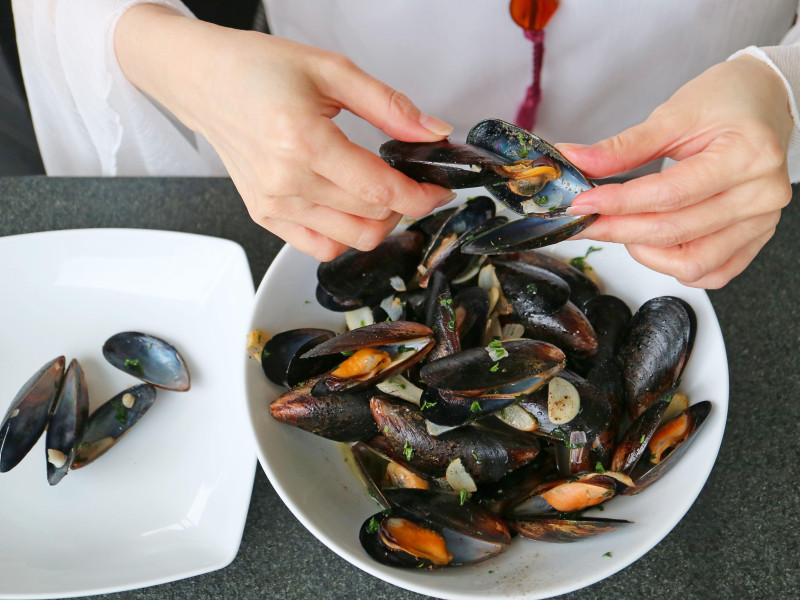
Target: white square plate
{"x": 170, "y": 500}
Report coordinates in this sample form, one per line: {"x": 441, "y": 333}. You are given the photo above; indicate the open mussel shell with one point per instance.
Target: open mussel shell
{"x": 379, "y": 471}
{"x": 111, "y": 421}
{"x": 563, "y": 530}
{"x": 356, "y": 278}
{"x": 452, "y": 410}
{"x": 527, "y": 234}
{"x": 343, "y": 417}
{"x": 633, "y": 444}
{"x": 148, "y": 358}
{"x": 655, "y": 350}
{"x": 440, "y": 316}
{"x": 399, "y": 344}
{"x": 426, "y": 529}
{"x": 515, "y": 143}
{"x": 67, "y": 423}
{"x": 281, "y": 360}
{"x": 28, "y": 414}
{"x": 565, "y": 495}
{"x": 685, "y": 427}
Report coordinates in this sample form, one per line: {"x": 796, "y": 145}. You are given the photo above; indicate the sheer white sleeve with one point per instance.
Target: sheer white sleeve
{"x": 88, "y": 118}
{"x": 785, "y": 61}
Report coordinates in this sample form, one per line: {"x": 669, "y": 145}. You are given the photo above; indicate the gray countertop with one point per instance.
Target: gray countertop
{"x": 740, "y": 539}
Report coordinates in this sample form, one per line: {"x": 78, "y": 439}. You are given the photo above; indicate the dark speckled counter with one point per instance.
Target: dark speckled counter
{"x": 741, "y": 539}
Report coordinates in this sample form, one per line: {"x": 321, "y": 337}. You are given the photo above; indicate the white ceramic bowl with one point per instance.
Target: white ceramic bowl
{"x": 325, "y": 494}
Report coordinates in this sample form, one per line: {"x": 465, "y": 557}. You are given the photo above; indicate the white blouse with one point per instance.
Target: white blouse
{"x": 607, "y": 65}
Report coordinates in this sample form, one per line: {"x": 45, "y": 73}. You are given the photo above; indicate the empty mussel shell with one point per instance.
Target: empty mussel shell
{"x": 29, "y": 412}
{"x": 281, "y": 360}
{"x": 111, "y": 421}
{"x": 563, "y": 530}
{"x": 148, "y": 358}
{"x": 67, "y": 423}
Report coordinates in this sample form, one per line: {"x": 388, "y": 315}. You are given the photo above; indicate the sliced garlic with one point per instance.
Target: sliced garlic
{"x": 359, "y": 317}
{"x": 563, "y": 401}
{"x": 56, "y": 458}
{"x": 402, "y": 388}
{"x": 459, "y": 478}
{"x": 128, "y": 400}
{"x": 517, "y": 417}
{"x": 255, "y": 343}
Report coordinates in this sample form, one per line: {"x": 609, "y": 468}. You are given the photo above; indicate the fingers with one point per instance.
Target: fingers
{"x": 386, "y": 108}
{"x": 713, "y": 260}
{"x": 369, "y": 179}
{"x": 682, "y": 184}
{"x": 719, "y": 212}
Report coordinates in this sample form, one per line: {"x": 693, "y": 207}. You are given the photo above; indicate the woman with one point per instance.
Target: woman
{"x": 264, "y": 106}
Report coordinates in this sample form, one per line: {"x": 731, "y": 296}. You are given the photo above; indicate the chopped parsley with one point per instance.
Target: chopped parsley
{"x": 463, "y": 496}
{"x": 531, "y": 287}
{"x": 599, "y": 467}
{"x": 579, "y": 262}
{"x": 540, "y": 200}
{"x": 265, "y": 354}
{"x": 445, "y": 302}
{"x": 494, "y": 367}
{"x": 641, "y": 440}
{"x": 373, "y": 525}
{"x": 608, "y": 554}
{"x": 476, "y": 406}
{"x": 134, "y": 364}
{"x": 451, "y": 324}
{"x": 426, "y": 405}
{"x": 408, "y": 451}
{"x": 385, "y": 429}
{"x": 120, "y": 412}
{"x": 522, "y": 153}
{"x": 347, "y": 353}
{"x": 495, "y": 343}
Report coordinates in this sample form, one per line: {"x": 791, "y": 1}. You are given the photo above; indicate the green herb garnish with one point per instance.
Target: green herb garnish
{"x": 579, "y": 262}
{"x": 445, "y": 302}
{"x": 476, "y": 406}
{"x": 599, "y": 467}
{"x": 426, "y": 405}
{"x": 134, "y": 364}
{"x": 408, "y": 451}
{"x": 120, "y": 412}
{"x": 451, "y": 324}
{"x": 608, "y": 554}
{"x": 494, "y": 367}
{"x": 540, "y": 200}
{"x": 463, "y": 496}
{"x": 347, "y": 353}
{"x": 531, "y": 287}
{"x": 373, "y": 525}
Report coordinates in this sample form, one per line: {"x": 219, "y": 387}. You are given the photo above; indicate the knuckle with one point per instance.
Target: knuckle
{"x": 370, "y": 238}
{"x": 397, "y": 102}
{"x": 665, "y": 234}
{"x": 280, "y": 182}
{"x": 690, "y": 270}
{"x": 671, "y": 197}
{"x": 377, "y": 193}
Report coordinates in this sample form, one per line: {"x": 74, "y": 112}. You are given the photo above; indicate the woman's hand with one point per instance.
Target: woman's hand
{"x": 266, "y": 104}
{"x": 705, "y": 217}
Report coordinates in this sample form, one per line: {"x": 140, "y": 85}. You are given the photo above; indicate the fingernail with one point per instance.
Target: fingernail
{"x": 447, "y": 199}
{"x": 434, "y": 125}
{"x": 582, "y": 209}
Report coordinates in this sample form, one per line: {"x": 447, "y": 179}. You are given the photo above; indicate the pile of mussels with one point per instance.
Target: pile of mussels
{"x": 58, "y": 401}
{"x": 485, "y": 394}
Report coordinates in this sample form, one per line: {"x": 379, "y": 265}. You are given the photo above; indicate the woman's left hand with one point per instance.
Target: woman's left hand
{"x": 704, "y": 218}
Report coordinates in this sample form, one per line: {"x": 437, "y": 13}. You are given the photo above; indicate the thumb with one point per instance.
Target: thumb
{"x": 384, "y": 107}
{"x": 619, "y": 153}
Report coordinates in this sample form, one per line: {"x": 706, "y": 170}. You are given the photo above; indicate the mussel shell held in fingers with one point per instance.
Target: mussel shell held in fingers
{"x": 148, "y": 358}
{"x": 29, "y": 413}
{"x": 515, "y": 144}
{"x": 655, "y": 350}
{"x": 67, "y": 423}
{"x": 111, "y": 421}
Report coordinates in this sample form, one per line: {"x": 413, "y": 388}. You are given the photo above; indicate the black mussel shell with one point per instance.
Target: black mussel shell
{"x": 515, "y": 143}
{"x": 445, "y": 163}
{"x": 609, "y": 317}
{"x": 474, "y": 369}
{"x": 581, "y": 288}
{"x": 486, "y": 455}
{"x": 111, "y": 421}
{"x": 441, "y": 318}
{"x": 646, "y": 473}
{"x": 281, "y": 360}
{"x": 453, "y": 410}
{"x": 67, "y": 424}
{"x": 655, "y": 350}
{"x": 357, "y": 278}
{"x": 563, "y": 530}
{"x": 634, "y": 443}
{"x": 148, "y": 358}
{"x": 343, "y": 417}
{"x": 472, "y": 311}
{"x": 530, "y": 289}
{"x": 527, "y": 234}
{"x": 29, "y": 412}
{"x": 567, "y": 328}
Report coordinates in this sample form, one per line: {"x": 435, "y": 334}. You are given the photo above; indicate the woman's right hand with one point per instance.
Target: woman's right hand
{"x": 266, "y": 105}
